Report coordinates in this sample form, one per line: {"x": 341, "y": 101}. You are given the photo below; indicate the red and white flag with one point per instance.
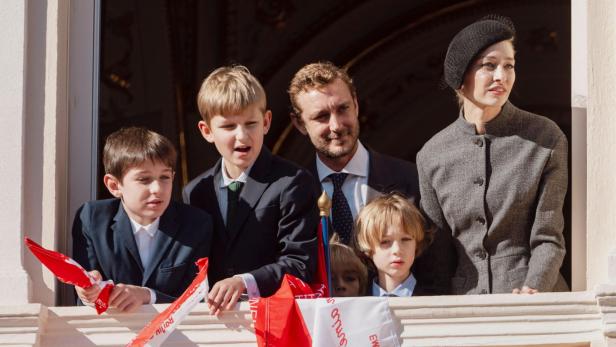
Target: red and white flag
{"x": 69, "y": 271}
{"x": 365, "y": 321}
{"x": 159, "y": 328}
{"x": 295, "y": 316}
{"x": 277, "y": 318}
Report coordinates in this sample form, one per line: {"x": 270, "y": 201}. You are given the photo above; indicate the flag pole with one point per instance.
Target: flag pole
{"x": 325, "y": 205}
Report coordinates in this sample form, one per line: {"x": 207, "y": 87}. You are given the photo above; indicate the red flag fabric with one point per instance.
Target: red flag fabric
{"x": 69, "y": 271}
{"x": 278, "y": 319}
{"x": 159, "y": 328}
{"x": 321, "y": 280}
{"x": 66, "y": 269}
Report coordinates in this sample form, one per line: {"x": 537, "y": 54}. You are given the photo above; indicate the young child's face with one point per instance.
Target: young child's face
{"x": 145, "y": 190}
{"x": 345, "y": 281}
{"x": 394, "y": 255}
{"x": 238, "y": 137}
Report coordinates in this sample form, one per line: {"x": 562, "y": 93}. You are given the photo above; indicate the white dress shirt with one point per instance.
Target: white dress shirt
{"x": 252, "y": 289}
{"x": 403, "y": 289}
{"x": 144, "y": 237}
{"x": 355, "y": 187}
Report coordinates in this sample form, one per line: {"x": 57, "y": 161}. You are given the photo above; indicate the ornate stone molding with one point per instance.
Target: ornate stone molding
{"x": 22, "y": 325}
{"x": 606, "y": 301}
{"x": 547, "y": 319}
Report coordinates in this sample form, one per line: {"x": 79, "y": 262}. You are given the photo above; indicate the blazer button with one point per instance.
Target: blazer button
{"x": 481, "y": 220}
{"x": 478, "y": 142}
{"x": 483, "y": 291}
{"x": 482, "y": 255}
{"x": 478, "y": 181}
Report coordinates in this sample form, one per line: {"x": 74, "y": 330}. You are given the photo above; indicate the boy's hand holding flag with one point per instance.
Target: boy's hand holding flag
{"x": 69, "y": 271}
{"x": 161, "y": 326}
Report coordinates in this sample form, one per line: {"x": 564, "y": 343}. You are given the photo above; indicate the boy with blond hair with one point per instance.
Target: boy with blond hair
{"x": 141, "y": 240}
{"x": 390, "y": 231}
{"x": 264, "y": 207}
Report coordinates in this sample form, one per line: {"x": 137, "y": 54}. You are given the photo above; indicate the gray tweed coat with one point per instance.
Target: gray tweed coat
{"x": 500, "y": 195}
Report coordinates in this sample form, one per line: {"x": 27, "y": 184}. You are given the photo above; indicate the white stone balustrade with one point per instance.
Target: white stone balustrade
{"x": 546, "y": 319}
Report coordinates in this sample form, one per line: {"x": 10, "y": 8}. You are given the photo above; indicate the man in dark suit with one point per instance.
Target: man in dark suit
{"x": 140, "y": 240}
{"x": 325, "y": 108}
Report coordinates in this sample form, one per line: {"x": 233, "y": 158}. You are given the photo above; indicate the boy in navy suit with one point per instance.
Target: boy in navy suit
{"x": 143, "y": 242}
{"x": 264, "y": 207}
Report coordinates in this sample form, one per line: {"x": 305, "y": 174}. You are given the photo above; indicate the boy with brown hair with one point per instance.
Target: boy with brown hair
{"x": 141, "y": 240}
{"x": 264, "y": 207}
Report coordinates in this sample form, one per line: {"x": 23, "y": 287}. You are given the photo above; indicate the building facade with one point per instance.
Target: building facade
{"x": 49, "y": 64}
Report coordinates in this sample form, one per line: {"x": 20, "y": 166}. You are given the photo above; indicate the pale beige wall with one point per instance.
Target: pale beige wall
{"x": 579, "y": 94}
{"x": 601, "y": 137}
{"x": 14, "y": 282}
{"x": 33, "y": 148}
{"x": 46, "y": 135}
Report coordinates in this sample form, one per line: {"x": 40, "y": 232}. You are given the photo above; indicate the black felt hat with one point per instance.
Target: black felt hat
{"x": 471, "y": 41}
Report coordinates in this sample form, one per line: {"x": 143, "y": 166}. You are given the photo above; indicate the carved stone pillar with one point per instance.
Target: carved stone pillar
{"x": 14, "y": 281}
{"x": 601, "y": 146}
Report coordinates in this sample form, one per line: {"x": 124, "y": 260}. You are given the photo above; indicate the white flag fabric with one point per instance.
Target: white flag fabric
{"x": 159, "y": 328}
{"x": 350, "y": 322}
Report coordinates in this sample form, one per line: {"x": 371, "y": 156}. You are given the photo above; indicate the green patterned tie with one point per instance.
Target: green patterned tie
{"x": 233, "y": 195}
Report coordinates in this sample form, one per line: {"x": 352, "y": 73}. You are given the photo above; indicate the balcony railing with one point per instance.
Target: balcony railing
{"x": 545, "y": 319}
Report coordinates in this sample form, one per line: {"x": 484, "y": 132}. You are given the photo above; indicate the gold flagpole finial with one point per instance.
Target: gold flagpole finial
{"x": 325, "y": 204}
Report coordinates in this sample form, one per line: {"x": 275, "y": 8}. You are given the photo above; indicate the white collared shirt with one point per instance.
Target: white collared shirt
{"x": 355, "y": 187}
{"x": 144, "y": 237}
{"x": 404, "y": 289}
{"x": 252, "y": 289}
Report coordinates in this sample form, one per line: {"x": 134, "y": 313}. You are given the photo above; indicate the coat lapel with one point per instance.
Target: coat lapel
{"x": 207, "y": 199}
{"x": 255, "y": 185}
{"x": 167, "y": 229}
{"x": 377, "y": 173}
{"x": 124, "y": 232}
{"x": 212, "y": 186}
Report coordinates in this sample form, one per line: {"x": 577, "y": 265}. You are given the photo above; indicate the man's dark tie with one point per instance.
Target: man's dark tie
{"x": 233, "y": 195}
{"x": 342, "y": 219}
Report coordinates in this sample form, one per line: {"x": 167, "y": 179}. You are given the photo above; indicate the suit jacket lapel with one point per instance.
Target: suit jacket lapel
{"x": 213, "y": 198}
{"x": 167, "y": 229}
{"x": 253, "y": 190}
{"x": 124, "y": 232}
{"x": 207, "y": 199}
{"x": 377, "y": 173}
{"x": 313, "y": 168}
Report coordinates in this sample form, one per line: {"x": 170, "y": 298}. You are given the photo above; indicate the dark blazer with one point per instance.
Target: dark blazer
{"x": 275, "y": 230}
{"x": 434, "y": 268}
{"x": 103, "y": 240}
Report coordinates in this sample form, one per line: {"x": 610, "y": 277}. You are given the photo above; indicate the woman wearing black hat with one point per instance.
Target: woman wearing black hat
{"x": 496, "y": 177}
